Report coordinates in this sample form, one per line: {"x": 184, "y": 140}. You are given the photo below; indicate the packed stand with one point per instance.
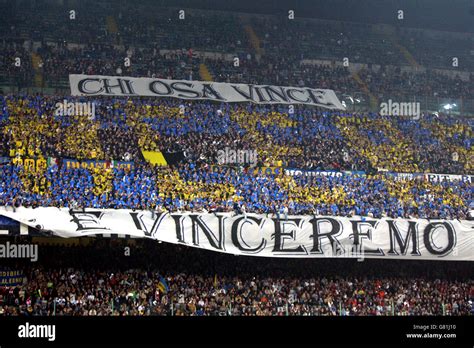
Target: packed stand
{"x": 206, "y": 180}
{"x": 306, "y": 139}
{"x": 99, "y": 42}
{"x": 96, "y": 279}
{"x": 396, "y": 85}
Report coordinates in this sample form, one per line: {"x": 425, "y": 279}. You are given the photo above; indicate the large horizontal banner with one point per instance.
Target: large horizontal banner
{"x": 92, "y": 85}
{"x": 258, "y": 235}
{"x": 432, "y": 177}
{"x": 11, "y": 278}
{"x": 90, "y": 164}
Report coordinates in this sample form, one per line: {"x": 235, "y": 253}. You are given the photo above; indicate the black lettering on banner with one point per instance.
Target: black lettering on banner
{"x": 87, "y": 221}
{"x": 128, "y": 85}
{"x": 319, "y": 97}
{"x": 260, "y": 95}
{"x": 81, "y": 86}
{"x": 177, "y": 87}
{"x": 336, "y": 230}
{"x": 315, "y": 98}
{"x": 237, "y": 239}
{"x": 271, "y": 91}
{"x": 179, "y": 227}
{"x": 430, "y": 244}
{"x": 209, "y": 92}
{"x": 290, "y": 92}
{"x": 153, "y": 88}
{"x": 280, "y": 236}
{"x": 248, "y": 96}
{"x": 198, "y": 224}
{"x": 120, "y": 84}
{"x": 113, "y": 85}
{"x": 359, "y": 236}
{"x": 395, "y": 235}
{"x": 141, "y": 225}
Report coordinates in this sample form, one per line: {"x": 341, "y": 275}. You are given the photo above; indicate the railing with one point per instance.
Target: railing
{"x": 335, "y": 309}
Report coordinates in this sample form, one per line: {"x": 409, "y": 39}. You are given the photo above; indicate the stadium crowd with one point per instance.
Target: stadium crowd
{"x": 308, "y": 140}
{"x": 214, "y": 189}
{"x": 305, "y": 139}
{"x": 308, "y": 161}
{"x": 158, "y": 279}
{"x": 268, "y": 51}
{"x": 311, "y": 141}
{"x": 395, "y": 84}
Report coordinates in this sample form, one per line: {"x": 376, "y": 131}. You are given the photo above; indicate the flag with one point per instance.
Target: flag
{"x": 163, "y": 285}
{"x": 215, "y": 280}
{"x": 192, "y": 54}
{"x": 51, "y": 161}
{"x": 111, "y": 164}
{"x": 155, "y": 157}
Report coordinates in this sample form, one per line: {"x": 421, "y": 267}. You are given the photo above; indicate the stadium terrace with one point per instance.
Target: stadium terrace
{"x": 210, "y": 162}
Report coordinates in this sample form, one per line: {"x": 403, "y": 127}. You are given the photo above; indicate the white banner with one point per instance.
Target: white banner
{"x": 92, "y": 85}
{"x": 298, "y": 172}
{"x": 433, "y": 177}
{"x": 258, "y": 235}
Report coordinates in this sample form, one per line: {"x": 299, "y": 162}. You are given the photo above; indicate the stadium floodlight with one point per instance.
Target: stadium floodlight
{"x": 449, "y": 106}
